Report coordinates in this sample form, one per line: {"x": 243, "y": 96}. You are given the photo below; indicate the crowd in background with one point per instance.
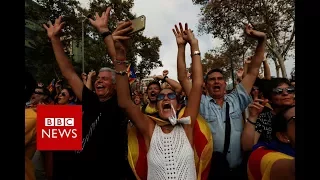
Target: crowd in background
{"x": 161, "y": 128}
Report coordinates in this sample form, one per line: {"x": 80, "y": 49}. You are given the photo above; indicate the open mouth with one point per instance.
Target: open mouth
{"x": 98, "y": 87}
{"x": 153, "y": 94}
{"x": 216, "y": 88}
{"x": 166, "y": 107}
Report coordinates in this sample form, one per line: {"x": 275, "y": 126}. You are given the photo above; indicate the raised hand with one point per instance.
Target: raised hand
{"x": 189, "y": 36}
{"x": 256, "y": 107}
{"x": 101, "y": 22}
{"x": 158, "y": 77}
{"x": 54, "y": 30}
{"x": 254, "y": 34}
{"x": 121, "y": 38}
{"x": 178, "y": 33}
{"x": 91, "y": 73}
{"x": 122, "y": 30}
{"x": 240, "y": 72}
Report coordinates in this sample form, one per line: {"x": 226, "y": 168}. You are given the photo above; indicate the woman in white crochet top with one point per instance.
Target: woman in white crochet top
{"x": 170, "y": 144}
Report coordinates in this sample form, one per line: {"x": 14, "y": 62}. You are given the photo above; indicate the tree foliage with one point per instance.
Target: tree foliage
{"x": 142, "y": 48}
{"x": 228, "y": 57}
{"x": 225, "y": 19}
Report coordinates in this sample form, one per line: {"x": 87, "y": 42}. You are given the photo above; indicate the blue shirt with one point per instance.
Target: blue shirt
{"x": 238, "y": 101}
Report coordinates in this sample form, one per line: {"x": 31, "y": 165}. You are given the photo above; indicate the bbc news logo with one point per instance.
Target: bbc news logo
{"x": 57, "y": 130}
{"x": 59, "y": 127}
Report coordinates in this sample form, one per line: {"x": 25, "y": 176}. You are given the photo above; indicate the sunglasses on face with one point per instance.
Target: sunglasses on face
{"x": 169, "y": 95}
{"x": 63, "y": 94}
{"x": 289, "y": 90}
{"x": 38, "y": 92}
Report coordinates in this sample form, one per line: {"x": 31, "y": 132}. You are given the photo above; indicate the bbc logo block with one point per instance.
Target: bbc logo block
{"x": 59, "y": 122}
{"x": 59, "y": 127}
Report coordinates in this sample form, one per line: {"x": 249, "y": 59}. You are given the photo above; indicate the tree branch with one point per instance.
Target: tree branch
{"x": 290, "y": 41}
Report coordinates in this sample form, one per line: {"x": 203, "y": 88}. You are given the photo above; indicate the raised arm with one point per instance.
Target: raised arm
{"x": 88, "y": 82}
{"x": 257, "y": 59}
{"x": 173, "y": 83}
{"x": 246, "y": 65}
{"x": 266, "y": 70}
{"x": 249, "y": 136}
{"x": 192, "y": 108}
{"x": 181, "y": 59}
{"x": 116, "y": 47}
{"x": 64, "y": 63}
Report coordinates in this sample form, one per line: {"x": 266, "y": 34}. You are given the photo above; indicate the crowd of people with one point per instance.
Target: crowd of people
{"x": 192, "y": 128}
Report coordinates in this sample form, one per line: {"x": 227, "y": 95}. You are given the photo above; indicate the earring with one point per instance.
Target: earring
{"x": 288, "y": 140}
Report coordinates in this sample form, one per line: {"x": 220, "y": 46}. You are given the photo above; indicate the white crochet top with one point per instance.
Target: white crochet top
{"x": 171, "y": 155}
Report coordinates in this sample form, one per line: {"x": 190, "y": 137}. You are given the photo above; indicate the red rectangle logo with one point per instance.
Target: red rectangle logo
{"x": 59, "y": 127}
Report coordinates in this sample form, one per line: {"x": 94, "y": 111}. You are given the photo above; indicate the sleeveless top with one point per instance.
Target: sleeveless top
{"x": 170, "y": 155}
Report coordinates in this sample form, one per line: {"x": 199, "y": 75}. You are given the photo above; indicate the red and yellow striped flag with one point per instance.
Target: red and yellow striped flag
{"x": 203, "y": 148}
{"x": 260, "y": 163}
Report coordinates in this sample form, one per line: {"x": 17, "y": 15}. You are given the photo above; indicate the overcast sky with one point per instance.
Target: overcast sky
{"x": 161, "y": 16}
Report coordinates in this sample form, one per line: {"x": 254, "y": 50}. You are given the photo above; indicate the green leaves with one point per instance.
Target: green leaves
{"x": 42, "y": 62}
{"x": 226, "y": 19}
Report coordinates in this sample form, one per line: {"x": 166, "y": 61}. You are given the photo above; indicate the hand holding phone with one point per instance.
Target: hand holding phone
{"x": 138, "y": 24}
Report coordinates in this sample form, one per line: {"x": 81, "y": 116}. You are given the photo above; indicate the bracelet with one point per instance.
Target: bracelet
{"x": 248, "y": 120}
{"x": 120, "y": 62}
{"x": 121, "y": 73}
{"x": 164, "y": 79}
{"x": 105, "y": 34}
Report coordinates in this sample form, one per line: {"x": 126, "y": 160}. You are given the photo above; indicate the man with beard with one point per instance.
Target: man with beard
{"x": 223, "y": 113}
{"x": 104, "y": 124}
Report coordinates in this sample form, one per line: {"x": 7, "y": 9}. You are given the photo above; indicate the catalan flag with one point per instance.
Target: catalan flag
{"x": 51, "y": 85}
{"x": 260, "y": 162}
{"x": 131, "y": 74}
{"x": 203, "y": 148}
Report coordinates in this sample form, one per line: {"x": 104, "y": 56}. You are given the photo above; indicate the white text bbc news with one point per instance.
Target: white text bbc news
{"x": 59, "y": 132}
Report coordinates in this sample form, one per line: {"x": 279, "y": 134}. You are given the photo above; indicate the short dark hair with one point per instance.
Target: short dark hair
{"x": 154, "y": 83}
{"x": 269, "y": 85}
{"x": 213, "y": 71}
{"x": 279, "y": 122}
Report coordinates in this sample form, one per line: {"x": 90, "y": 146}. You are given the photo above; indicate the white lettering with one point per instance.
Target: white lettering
{"x": 74, "y": 132}
{"x": 59, "y": 133}
{"x": 54, "y": 133}
{"x": 44, "y": 132}
{"x": 64, "y": 131}
{"x": 49, "y": 121}
{"x": 69, "y": 122}
{"x": 59, "y": 121}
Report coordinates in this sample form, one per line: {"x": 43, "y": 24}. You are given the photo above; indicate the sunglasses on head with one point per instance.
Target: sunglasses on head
{"x": 289, "y": 90}
{"x": 169, "y": 95}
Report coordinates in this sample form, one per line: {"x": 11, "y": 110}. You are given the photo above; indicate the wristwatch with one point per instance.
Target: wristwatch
{"x": 196, "y": 53}
{"x": 105, "y": 34}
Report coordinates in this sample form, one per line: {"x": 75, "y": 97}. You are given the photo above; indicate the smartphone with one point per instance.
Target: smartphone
{"x": 138, "y": 24}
